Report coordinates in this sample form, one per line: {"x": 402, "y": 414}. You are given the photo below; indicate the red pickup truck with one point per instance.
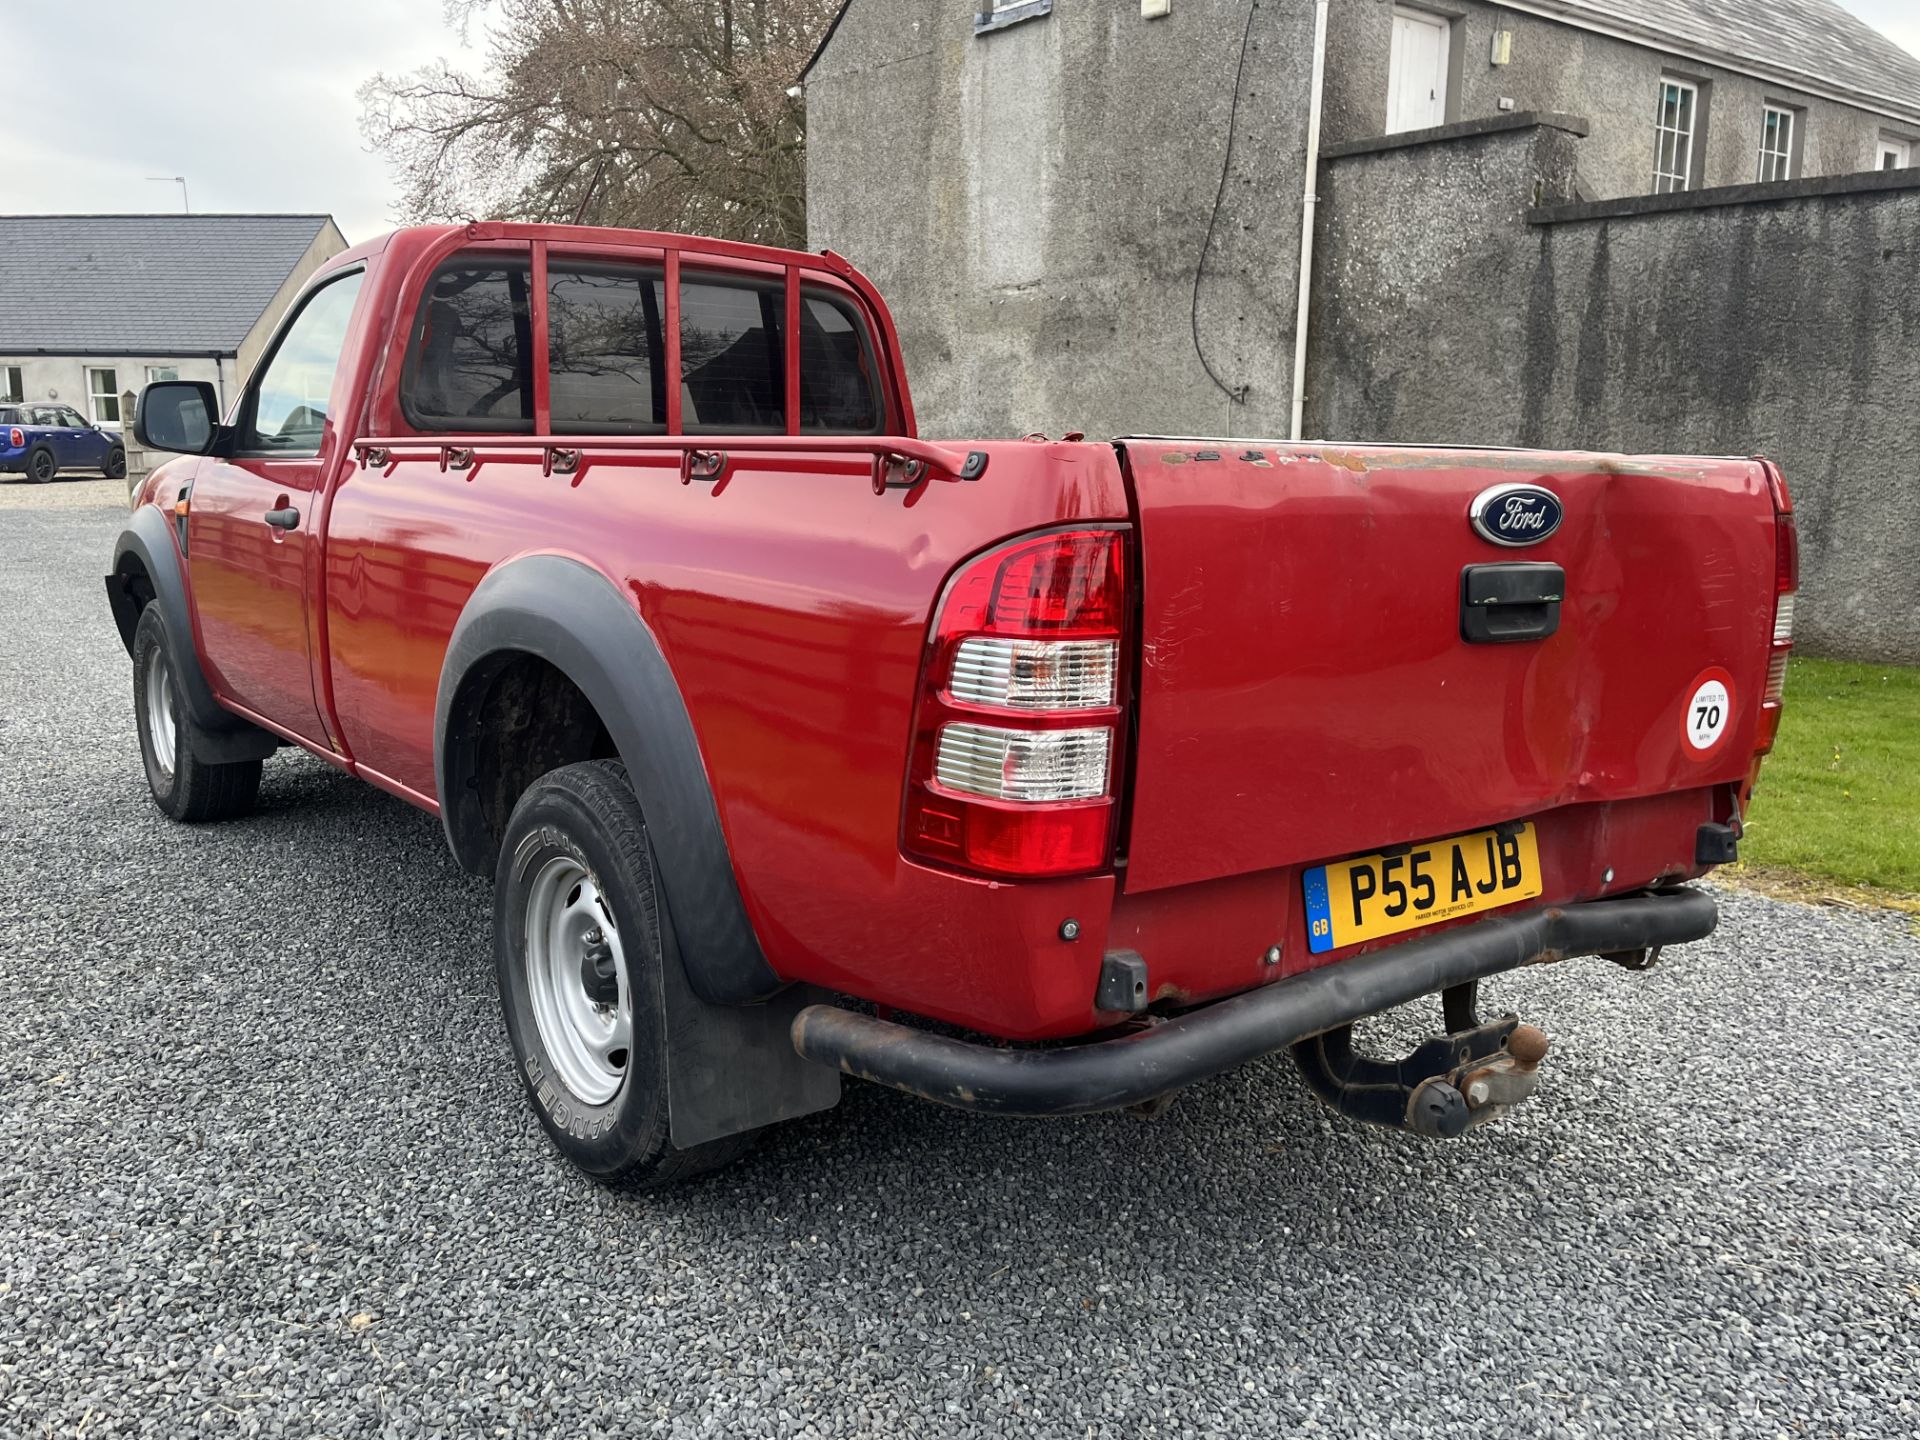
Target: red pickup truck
{"x": 1031, "y": 777}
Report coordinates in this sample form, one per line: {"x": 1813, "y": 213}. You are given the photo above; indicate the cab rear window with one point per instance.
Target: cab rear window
{"x": 469, "y": 360}
{"x": 733, "y": 360}
{"x": 469, "y": 365}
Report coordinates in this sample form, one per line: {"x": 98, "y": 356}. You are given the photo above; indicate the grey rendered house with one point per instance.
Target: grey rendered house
{"x": 1681, "y": 94}
{"x": 1091, "y": 213}
{"x": 95, "y": 306}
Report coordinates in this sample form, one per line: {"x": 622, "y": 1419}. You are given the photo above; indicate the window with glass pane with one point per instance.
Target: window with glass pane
{"x": 470, "y": 365}
{"x": 839, "y": 392}
{"x": 12, "y": 383}
{"x": 1895, "y": 154}
{"x": 603, "y": 340}
{"x": 1776, "y": 144}
{"x": 103, "y": 392}
{"x": 732, "y": 356}
{"x": 1673, "y": 137}
{"x": 162, "y": 372}
{"x": 288, "y": 408}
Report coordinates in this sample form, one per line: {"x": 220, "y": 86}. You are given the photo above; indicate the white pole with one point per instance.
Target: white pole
{"x": 1310, "y": 204}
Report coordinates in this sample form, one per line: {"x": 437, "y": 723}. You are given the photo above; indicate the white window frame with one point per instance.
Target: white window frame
{"x": 95, "y": 394}
{"x": 1893, "y": 147}
{"x": 1002, "y": 13}
{"x": 1672, "y": 181}
{"x": 156, "y": 373}
{"x": 13, "y": 384}
{"x": 1777, "y": 143}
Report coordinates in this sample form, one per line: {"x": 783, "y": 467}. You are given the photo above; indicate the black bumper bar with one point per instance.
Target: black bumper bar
{"x": 1080, "y": 1079}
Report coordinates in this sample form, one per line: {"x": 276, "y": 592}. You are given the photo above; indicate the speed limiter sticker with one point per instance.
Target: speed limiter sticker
{"x": 1709, "y": 710}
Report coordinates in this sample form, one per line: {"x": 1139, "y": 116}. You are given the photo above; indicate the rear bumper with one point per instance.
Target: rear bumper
{"x": 1148, "y": 1064}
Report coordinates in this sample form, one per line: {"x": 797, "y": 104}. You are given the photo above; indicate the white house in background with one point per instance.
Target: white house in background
{"x": 94, "y": 306}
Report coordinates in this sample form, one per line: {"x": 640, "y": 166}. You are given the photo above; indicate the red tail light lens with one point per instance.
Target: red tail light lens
{"x": 1070, "y": 584}
{"x": 1019, "y": 734}
{"x": 16, "y": 437}
{"x": 1786, "y": 554}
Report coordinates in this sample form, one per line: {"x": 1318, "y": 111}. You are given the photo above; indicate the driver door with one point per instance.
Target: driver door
{"x": 251, "y": 548}
{"x": 74, "y": 446}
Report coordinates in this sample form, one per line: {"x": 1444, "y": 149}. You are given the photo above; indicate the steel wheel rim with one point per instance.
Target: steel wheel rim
{"x": 161, "y": 733}
{"x": 588, "y": 1044}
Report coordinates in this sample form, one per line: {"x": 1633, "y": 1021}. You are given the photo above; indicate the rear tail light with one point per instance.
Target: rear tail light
{"x": 1786, "y": 582}
{"x": 16, "y": 437}
{"x": 1020, "y": 726}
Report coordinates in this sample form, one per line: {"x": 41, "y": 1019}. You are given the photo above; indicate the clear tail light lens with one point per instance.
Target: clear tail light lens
{"x": 1783, "y": 620}
{"x": 1022, "y": 714}
{"x": 1036, "y": 674}
{"x": 1786, "y": 581}
{"x": 1776, "y": 679}
{"x": 1030, "y": 765}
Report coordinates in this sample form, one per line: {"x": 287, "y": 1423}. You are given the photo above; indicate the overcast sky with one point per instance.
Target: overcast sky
{"x": 252, "y": 100}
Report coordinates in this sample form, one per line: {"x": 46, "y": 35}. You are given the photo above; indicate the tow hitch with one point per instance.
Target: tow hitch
{"x": 1443, "y": 1088}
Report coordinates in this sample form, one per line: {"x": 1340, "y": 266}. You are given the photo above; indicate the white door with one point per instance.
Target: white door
{"x": 1417, "y": 72}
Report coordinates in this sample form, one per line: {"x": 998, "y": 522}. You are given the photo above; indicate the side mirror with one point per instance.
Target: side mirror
{"x": 176, "y": 415}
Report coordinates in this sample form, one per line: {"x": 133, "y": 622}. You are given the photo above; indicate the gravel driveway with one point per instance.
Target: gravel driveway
{"x": 264, "y": 1169}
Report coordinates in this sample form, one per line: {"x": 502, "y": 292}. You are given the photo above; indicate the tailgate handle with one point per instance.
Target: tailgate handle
{"x": 1502, "y": 604}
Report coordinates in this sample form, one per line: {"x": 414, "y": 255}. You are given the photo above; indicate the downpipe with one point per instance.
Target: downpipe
{"x": 1309, "y": 209}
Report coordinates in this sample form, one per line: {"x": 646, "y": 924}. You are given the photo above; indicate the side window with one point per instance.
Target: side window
{"x": 469, "y": 366}
{"x": 603, "y": 349}
{"x": 733, "y": 372}
{"x": 72, "y": 419}
{"x": 287, "y": 409}
{"x": 838, "y": 393}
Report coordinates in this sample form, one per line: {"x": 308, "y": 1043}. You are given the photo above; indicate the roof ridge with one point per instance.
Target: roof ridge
{"x": 167, "y": 215}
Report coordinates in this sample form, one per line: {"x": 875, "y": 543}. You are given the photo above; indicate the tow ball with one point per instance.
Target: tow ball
{"x": 1443, "y": 1088}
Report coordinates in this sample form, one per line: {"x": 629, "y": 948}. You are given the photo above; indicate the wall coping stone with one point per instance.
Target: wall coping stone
{"x": 1866, "y": 182}
{"x": 1461, "y": 130}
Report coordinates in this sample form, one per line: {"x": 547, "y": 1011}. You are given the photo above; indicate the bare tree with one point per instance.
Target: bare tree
{"x": 658, "y": 114}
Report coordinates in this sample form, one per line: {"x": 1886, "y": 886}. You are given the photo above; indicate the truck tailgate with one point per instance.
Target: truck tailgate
{"x": 1305, "y": 690}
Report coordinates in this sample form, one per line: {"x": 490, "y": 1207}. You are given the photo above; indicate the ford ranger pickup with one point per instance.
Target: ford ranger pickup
{"x": 1028, "y": 777}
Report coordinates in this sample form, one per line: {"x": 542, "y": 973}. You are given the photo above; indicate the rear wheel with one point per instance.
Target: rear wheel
{"x": 115, "y": 465}
{"x": 183, "y": 785}
{"x": 41, "y": 466}
{"x": 577, "y": 939}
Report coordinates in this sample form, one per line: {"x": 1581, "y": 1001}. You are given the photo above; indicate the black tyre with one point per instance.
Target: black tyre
{"x": 41, "y": 466}
{"x": 115, "y": 465}
{"x": 183, "y": 785}
{"x": 577, "y": 939}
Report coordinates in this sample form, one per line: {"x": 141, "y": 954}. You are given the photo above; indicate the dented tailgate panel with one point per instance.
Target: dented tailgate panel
{"x": 1305, "y": 689}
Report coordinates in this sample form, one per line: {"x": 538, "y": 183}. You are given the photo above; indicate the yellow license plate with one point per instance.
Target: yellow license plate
{"x": 1374, "y": 895}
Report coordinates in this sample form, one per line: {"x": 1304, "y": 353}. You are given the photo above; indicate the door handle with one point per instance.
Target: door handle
{"x": 285, "y": 518}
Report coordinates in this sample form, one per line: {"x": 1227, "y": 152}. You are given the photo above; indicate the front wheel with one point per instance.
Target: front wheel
{"x": 184, "y": 786}
{"x": 577, "y": 940}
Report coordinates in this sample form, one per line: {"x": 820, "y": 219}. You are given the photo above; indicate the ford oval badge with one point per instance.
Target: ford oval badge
{"x": 1516, "y": 514}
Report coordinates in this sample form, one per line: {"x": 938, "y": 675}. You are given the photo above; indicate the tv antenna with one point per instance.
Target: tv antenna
{"x": 181, "y": 181}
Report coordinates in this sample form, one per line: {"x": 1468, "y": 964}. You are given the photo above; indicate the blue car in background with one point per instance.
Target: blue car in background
{"x": 39, "y": 441}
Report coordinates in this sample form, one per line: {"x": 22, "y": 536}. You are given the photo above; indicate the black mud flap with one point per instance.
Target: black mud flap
{"x": 733, "y": 1068}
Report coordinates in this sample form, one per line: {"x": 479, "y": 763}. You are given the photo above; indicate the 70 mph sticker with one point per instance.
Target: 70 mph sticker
{"x": 1710, "y": 709}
